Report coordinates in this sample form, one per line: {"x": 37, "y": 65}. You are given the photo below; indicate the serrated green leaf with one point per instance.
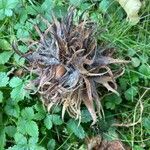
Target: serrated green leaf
{"x": 146, "y": 123}
{"x": 20, "y": 147}
{"x": 21, "y": 125}
{"x": 14, "y": 82}
{"x": 27, "y": 127}
{"x": 18, "y": 93}
{"x": 22, "y": 33}
{"x": 5, "y": 56}
{"x": 18, "y": 60}
{"x": 85, "y": 116}
{"x": 10, "y": 130}
{"x": 47, "y": 5}
{"x": 33, "y": 140}
{"x": 111, "y": 134}
{"x": 112, "y": 100}
{"x": 27, "y": 113}
{"x": 8, "y": 12}
{"x": 134, "y": 77}
{"x": 131, "y": 52}
{"x": 41, "y": 113}
{"x": 110, "y": 105}
{"x": 11, "y": 4}
{"x": 56, "y": 109}
{"x": 1, "y": 97}
{"x": 3, "y": 79}
{"x": 73, "y": 126}
{"x": 145, "y": 70}
{"x": 4, "y": 45}
{"x": 47, "y": 122}
{"x": 39, "y": 107}
{"x": 144, "y": 58}
{"x": 12, "y": 109}
{"x": 104, "y": 5}
{"x": 40, "y": 148}
{"x": 75, "y": 3}
{"x": 123, "y": 83}
{"x": 56, "y": 119}
{"x": 20, "y": 139}
{"x": 131, "y": 93}
{"x": 135, "y": 61}
{"x": 2, "y": 138}
{"x": 51, "y": 144}
{"x": 39, "y": 116}
{"x": 6, "y": 7}
{"x": 32, "y": 129}
{"x": 137, "y": 147}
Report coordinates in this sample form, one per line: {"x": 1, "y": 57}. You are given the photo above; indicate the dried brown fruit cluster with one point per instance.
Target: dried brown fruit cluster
{"x": 70, "y": 65}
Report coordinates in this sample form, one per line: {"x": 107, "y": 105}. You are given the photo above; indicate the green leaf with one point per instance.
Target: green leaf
{"x": 77, "y": 129}
{"x": 33, "y": 140}
{"x": 20, "y": 139}
{"x": 137, "y": 147}
{"x": 104, "y": 5}
{"x": 112, "y": 100}
{"x": 27, "y": 127}
{"x": 22, "y": 33}
{"x": 144, "y": 58}
{"x": 20, "y": 61}
{"x": 2, "y": 138}
{"x": 3, "y": 79}
{"x": 51, "y": 144}
{"x": 27, "y": 113}
{"x": 110, "y": 105}
{"x": 85, "y": 116}
{"x": 39, "y": 107}
{"x": 111, "y": 134}
{"x": 146, "y": 123}
{"x": 123, "y": 83}
{"x": 6, "y": 7}
{"x": 56, "y": 119}
{"x": 56, "y": 109}
{"x": 75, "y": 2}
{"x": 47, "y": 5}
{"x": 18, "y": 93}
{"x": 8, "y": 12}
{"x": 1, "y": 97}
{"x": 131, "y": 93}
{"x": 131, "y": 52}
{"x": 134, "y": 77}
{"x": 12, "y": 109}
{"x": 145, "y": 69}
{"x": 32, "y": 128}
{"x": 11, "y": 4}
{"x": 10, "y": 130}
{"x": 41, "y": 113}
{"x": 4, "y": 45}
{"x": 40, "y": 148}
{"x": 14, "y": 82}
{"x": 39, "y": 116}
{"x": 135, "y": 61}
{"x": 48, "y": 122}
{"x": 5, "y": 56}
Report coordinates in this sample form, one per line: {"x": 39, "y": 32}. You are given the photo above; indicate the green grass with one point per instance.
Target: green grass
{"x": 131, "y": 42}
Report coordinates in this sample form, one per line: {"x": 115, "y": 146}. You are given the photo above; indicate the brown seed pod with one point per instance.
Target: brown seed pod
{"x": 70, "y": 66}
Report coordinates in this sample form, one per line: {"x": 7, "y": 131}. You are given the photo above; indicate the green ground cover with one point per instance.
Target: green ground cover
{"x": 25, "y": 123}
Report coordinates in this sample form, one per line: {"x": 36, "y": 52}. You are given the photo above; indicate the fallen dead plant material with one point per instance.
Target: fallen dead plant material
{"x": 69, "y": 66}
